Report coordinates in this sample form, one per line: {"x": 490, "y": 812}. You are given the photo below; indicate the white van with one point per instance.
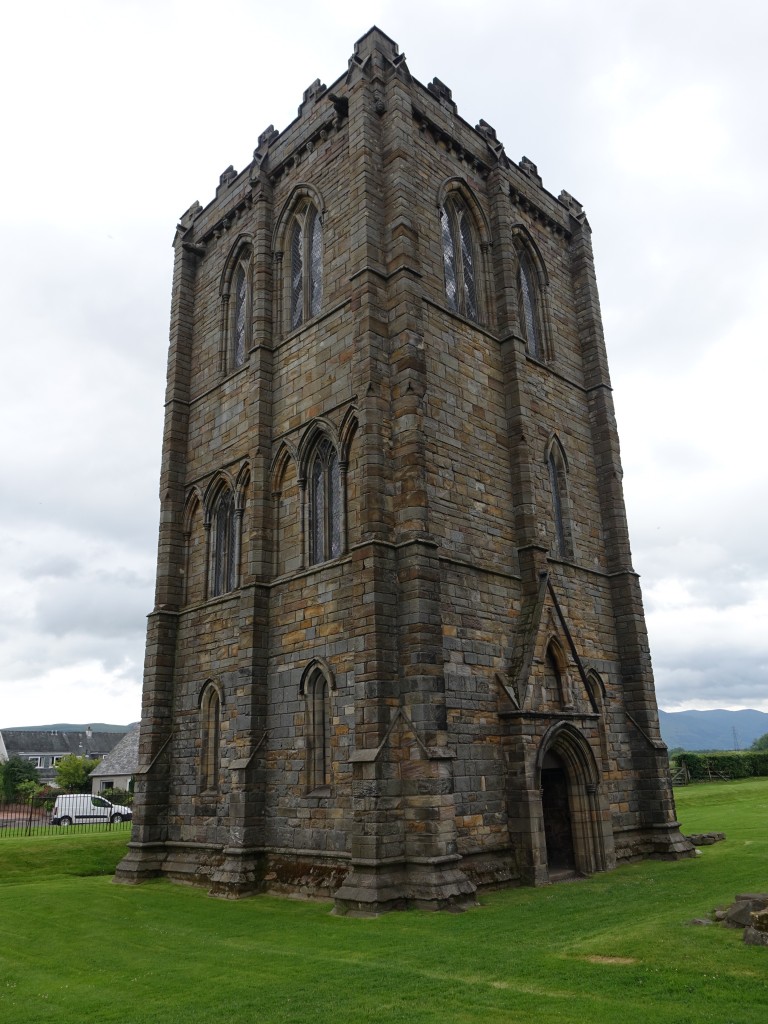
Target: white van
{"x": 82, "y": 809}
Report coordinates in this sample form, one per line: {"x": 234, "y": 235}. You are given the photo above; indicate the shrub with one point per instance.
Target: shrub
{"x": 13, "y": 773}
{"x": 117, "y": 796}
{"x": 734, "y": 764}
{"x": 46, "y": 797}
{"x": 28, "y": 790}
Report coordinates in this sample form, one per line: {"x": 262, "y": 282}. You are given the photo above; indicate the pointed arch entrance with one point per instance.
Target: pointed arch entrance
{"x": 556, "y": 813}
{"x": 575, "y": 833}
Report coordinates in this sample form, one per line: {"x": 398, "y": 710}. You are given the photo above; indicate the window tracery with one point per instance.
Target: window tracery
{"x": 459, "y": 258}
{"x": 306, "y": 270}
{"x": 240, "y": 318}
{"x": 527, "y": 304}
{"x": 325, "y": 504}
{"x": 224, "y": 544}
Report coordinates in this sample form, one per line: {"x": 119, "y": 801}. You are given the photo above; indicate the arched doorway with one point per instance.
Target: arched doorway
{"x": 556, "y": 811}
{"x": 575, "y": 831}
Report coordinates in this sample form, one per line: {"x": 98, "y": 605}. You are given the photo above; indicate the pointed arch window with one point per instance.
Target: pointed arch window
{"x": 556, "y": 469}
{"x": 459, "y": 258}
{"x": 306, "y": 248}
{"x": 240, "y": 317}
{"x": 527, "y": 305}
{"x": 557, "y": 670}
{"x": 224, "y": 544}
{"x": 236, "y": 302}
{"x": 210, "y": 713}
{"x": 325, "y": 503}
{"x": 318, "y": 697}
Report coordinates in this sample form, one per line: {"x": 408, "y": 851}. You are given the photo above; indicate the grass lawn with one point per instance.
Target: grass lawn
{"x": 615, "y": 948}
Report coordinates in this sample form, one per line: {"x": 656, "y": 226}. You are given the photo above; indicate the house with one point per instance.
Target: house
{"x": 398, "y": 650}
{"x": 117, "y": 769}
{"x": 46, "y": 747}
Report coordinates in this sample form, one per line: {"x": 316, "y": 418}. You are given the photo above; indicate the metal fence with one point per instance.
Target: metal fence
{"x": 34, "y": 819}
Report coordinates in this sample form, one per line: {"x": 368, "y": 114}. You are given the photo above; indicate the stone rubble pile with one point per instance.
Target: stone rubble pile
{"x": 750, "y": 912}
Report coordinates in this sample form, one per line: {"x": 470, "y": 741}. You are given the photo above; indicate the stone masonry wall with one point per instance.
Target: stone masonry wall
{"x": 460, "y": 645}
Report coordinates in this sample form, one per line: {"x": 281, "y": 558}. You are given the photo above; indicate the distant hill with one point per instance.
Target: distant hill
{"x": 712, "y": 730}
{"x": 68, "y": 727}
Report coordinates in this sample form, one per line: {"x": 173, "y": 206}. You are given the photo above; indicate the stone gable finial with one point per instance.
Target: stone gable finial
{"x": 489, "y": 134}
{"x": 442, "y": 93}
{"x": 487, "y": 130}
{"x": 529, "y": 167}
{"x": 267, "y": 137}
{"x": 376, "y": 56}
{"x": 312, "y": 94}
{"x": 227, "y": 176}
{"x": 185, "y": 221}
{"x": 574, "y": 207}
{"x": 573, "y": 204}
{"x": 376, "y": 40}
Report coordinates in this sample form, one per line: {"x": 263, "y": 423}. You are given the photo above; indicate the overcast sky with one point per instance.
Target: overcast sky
{"x": 118, "y": 114}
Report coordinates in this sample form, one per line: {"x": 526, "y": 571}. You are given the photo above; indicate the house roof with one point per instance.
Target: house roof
{"x": 23, "y": 742}
{"x": 124, "y": 757}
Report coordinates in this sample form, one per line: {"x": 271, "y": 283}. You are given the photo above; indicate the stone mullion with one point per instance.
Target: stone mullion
{"x": 208, "y": 556}
{"x": 225, "y": 334}
{"x": 237, "y": 574}
{"x": 344, "y": 542}
{"x": 305, "y": 523}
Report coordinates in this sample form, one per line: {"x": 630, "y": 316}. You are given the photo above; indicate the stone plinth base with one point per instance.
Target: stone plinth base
{"x": 240, "y": 874}
{"x": 662, "y": 842}
{"x": 142, "y": 862}
{"x": 496, "y": 869}
{"x": 370, "y": 890}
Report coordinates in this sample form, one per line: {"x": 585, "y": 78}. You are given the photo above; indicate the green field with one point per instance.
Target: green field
{"x": 615, "y": 948}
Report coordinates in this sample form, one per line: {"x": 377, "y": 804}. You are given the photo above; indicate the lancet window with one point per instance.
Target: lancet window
{"x": 459, "y": 258}
{"x": 306, "y": 263}
{"x": 224, "y": 544}
{"x": 325, "y": 503}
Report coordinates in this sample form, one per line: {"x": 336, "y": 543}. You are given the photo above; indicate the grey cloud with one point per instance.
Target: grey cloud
{"x": 731, "y": 680}
{"x": 103, "y": 606}
{"x": 54, "y": 566}
{"x": 31, "y": 654}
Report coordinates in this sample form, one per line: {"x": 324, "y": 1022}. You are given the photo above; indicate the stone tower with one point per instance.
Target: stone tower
{"x": 398, "y": 648}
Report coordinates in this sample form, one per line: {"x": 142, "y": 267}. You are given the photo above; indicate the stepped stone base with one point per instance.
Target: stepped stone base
{"x": 233, "y": 872}
{"x": 142, "y": 862}
{"x": 370, "y": 890}
{"x": 665, "y": 842}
